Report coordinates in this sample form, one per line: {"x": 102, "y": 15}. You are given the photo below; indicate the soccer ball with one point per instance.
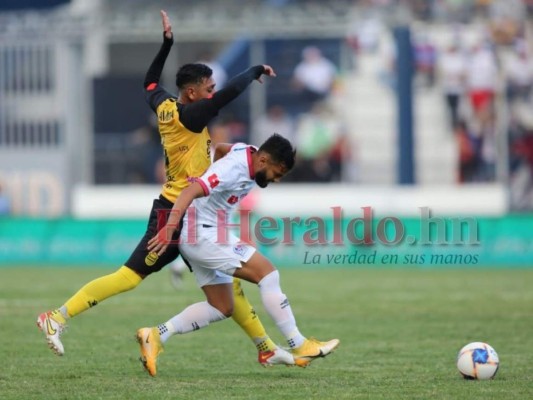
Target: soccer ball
{"x": 478, "y": 360}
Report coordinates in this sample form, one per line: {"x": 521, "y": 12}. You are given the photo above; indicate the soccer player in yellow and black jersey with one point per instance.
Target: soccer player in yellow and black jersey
{"x": 186, "y": 143}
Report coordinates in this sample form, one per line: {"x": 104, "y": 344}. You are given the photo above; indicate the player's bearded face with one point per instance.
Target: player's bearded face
{"x": 261, "y": 178}
{"x": 269, "y": 173}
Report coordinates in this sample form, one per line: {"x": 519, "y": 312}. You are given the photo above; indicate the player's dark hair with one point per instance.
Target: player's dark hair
{"x": 280, "y": 150}
{"x": 192, "y": 73}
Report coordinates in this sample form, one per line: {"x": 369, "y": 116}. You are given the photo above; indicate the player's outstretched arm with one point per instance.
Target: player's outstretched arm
{"x": 160, "y": 242}
{"x": 153, "y": 74}
{"x": 197, "y": 115}
{"x": 269, "y": 71}
{"x": 239, "y": 83}
{"x": 167, "y": 27}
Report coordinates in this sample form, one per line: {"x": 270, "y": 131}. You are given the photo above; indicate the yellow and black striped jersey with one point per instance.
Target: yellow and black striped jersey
{"x": 187, "y": 154}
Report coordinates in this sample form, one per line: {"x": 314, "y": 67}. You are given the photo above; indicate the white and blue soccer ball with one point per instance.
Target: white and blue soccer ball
{"x": 478, "y": 360}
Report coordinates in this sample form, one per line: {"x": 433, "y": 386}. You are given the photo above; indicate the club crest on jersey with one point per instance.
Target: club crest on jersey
{"x": 151, "y": 258}
{"x": 239, "y": 249}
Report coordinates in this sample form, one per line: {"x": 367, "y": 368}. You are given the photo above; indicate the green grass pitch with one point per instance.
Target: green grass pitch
{"x": 400, "y": 331}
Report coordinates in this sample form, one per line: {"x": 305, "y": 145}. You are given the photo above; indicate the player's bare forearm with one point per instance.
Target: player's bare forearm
{"x": 160, "y": 242}
{"x": 186, "y": 197}
{"x": 221, "y": 149}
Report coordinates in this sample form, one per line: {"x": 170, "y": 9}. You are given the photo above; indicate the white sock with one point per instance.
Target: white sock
{"x": 192, "y": 318}
{"x": 278, "y": 307}
{"x": 63, "y": 311}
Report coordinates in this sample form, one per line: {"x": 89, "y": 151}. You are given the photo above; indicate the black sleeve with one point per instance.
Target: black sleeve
{"x": 154, "y": 71}
{"x": 197, "y": 115}
{"x": 155, "y": 94}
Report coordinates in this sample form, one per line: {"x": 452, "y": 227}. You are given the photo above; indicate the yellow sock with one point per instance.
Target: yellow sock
{"x": 244, "y": 315}
{"x": 100, "y": 289}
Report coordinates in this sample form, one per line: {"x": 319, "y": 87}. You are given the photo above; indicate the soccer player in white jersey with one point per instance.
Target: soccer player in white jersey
{"x": 215, "y": 262}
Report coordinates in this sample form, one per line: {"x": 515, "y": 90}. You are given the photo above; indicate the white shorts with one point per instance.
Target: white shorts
{"x": 214, "y": 263}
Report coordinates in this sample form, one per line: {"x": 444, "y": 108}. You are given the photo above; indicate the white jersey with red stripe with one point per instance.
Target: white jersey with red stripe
{"x": 226, "y": 182}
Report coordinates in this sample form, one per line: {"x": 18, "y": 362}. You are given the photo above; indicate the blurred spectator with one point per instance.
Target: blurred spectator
{"x": 476, "y": 142}
{"x": 425, "y": 59}
{"x": 146, "y": 144}
{"x": 313, "y": 77}
{"x": 519, "y": 73}
{"x": 483, "y": 128}
{"x": 468, "y": 156}
{"x": 342, "y": 159}
{"x": 521, "y": 157}
{"x": 5, "y": 207}
{"x": 453, "y": 73}
{"x": 317, "y": 136}
{"x": 387, "y": 73}
{"x": 482, "y": 78}
{"x": 423, "y": 9}
{"x": 506, "y": 17}
{"x": 363, "y": 36}
{"x": 276, "y": 120}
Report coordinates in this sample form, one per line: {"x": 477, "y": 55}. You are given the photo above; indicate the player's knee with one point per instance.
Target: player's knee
{"x": 130, "y": 277}
{"x": 227, "y": 310}
{"x": 270, "y": 282}
{"x": 224, "y": 309}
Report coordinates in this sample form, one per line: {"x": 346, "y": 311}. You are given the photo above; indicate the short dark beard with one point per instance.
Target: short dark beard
{"x": 261, "y": 179}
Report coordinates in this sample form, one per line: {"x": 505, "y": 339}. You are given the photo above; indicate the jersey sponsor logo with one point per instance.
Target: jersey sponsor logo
{"x": 239, "y": 249}
{"x": 213, "y": 181}
{"x": 183, "y": 148}
{"x": 151, "y": 258}
{"x": 166, "y": 115}
{"x": 233, "y": 199}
